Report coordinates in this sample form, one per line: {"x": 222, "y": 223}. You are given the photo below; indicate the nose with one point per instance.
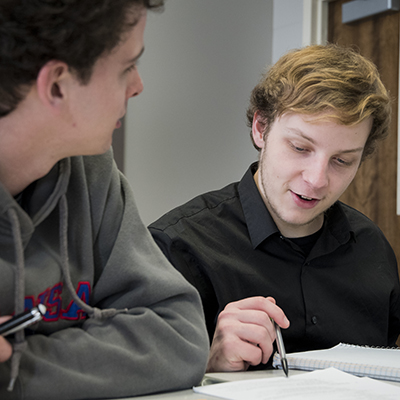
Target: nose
{"x": 135, "y": 87}
{"x": 316, "y": 174}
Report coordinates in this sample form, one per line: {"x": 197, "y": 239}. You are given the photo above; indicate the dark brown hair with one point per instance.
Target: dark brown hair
{"x": 77, "y": 32}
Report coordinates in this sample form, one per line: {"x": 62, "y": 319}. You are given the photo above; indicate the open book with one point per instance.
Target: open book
{"x": 380, "y": 363}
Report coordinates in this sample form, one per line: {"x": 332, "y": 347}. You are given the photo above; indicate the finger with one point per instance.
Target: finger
{"x": 5, "y": 349}
{"x": 5, "y": 346}
{"x": 233, "y": 354}
{"x": 271, "y": 299}
{"x": 257, "y": 336}
{"x": 246, "y": 324}
{"x": 249, "y": 326}
{"x": 254, "y": 333}
{"x": 253, "y": 303}
{"x": 254, "y": 354}
{"x": 251, "y": 353}
{"x": 278, "y": 315}
{"x": 267, "y": 305}
{"x": 249, "y": 316}
{"x": 263, "y": 340}
{"x": 5, "y": 318}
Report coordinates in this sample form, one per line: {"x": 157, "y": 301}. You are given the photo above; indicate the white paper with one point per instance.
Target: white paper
{"x": 328, "y": 384}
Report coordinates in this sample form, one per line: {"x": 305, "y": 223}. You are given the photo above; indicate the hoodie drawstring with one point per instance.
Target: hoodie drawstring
{"x": 93, "y": 312}
{"x": 19, "y": 296}
{"x": 20, "y": 344}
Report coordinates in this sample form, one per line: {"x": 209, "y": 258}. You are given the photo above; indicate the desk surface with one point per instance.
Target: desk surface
{"x": 213, "y": 378}
{"x": 220, "y": 377}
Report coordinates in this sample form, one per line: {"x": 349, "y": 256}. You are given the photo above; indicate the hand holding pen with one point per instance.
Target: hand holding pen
{"x": 245, "y": 334}
{"x": 10, "y": 325}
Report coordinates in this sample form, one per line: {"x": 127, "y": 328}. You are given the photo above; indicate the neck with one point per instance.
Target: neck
{"x": 23, "y": 154}
{"x": 18, "y": 173}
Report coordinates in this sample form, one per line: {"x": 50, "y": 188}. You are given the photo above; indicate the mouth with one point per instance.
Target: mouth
{"x": 305, "y": 197}
{"x": 305, "y": 201}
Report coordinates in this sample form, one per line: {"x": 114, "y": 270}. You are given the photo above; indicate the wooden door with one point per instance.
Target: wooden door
{"x": 373, "y": 191}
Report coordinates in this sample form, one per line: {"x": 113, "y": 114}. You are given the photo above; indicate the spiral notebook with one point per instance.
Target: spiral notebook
{"x": 379, "y": 363}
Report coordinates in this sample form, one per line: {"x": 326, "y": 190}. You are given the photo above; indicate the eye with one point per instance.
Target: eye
{"x": 298, "y": 149}
{"x": 131, "y": 68}
{"x": 342, "y": 162}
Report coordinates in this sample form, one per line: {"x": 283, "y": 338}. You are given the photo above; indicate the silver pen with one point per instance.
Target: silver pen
{"x": 23, "y": 320}
{"x": 281, "y": 349}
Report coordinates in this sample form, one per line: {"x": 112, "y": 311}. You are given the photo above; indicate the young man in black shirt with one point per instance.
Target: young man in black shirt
{"x": 278, "y": 244}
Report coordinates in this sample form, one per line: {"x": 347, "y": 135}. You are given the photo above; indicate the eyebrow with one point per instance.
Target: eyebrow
{"x": 300, "y": 133}
{"x": 134, "y": 59}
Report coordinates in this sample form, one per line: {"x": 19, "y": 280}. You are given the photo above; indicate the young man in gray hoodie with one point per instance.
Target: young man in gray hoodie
{"x": 120, "y": 320}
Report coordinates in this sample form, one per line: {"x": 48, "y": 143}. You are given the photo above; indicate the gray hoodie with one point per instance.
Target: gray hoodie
{"x": 120, "y": 320}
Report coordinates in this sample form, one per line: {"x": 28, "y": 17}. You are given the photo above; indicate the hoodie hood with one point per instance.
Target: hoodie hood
{"x": 37, "y": 201}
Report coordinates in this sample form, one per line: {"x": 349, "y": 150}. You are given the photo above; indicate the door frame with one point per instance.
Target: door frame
{"x": 315, "y": 22}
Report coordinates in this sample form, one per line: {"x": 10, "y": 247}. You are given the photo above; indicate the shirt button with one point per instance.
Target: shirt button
{"x": 314, "y": 320}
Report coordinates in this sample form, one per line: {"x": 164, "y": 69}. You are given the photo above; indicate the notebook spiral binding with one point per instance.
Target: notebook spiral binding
{"x": 371, "y": 347}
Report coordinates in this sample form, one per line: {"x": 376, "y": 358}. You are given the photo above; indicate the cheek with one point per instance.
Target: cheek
{"x": 286, "y": 169}
{"x": 340, "y": 182}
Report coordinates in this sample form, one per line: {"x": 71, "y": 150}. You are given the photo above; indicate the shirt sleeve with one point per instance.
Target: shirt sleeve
{"x": 185, "y": 259}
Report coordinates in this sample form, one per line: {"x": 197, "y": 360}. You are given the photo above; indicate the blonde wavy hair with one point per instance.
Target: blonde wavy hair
{"x": 333, "y": 82}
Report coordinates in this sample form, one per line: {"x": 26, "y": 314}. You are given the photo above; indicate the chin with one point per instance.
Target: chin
{"x": 105, "y": 146}
{"x": 97, "y": 151}
{"x": 105, "y": 149}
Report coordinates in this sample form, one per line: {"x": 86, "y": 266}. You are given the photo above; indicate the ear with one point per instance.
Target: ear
{"x": 258, "y": 129}
{"x": 52, "y": 84}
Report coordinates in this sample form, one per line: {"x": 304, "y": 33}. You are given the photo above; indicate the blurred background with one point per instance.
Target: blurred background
{"x": 186, "y": 133}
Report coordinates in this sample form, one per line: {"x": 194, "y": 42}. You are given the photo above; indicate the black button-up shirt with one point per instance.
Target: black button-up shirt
{"x": 345, "y": 289}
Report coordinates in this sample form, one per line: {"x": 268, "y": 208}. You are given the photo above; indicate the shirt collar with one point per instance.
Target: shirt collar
{"x": 338, "y": 224}
{"x": 255, "y": 211}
